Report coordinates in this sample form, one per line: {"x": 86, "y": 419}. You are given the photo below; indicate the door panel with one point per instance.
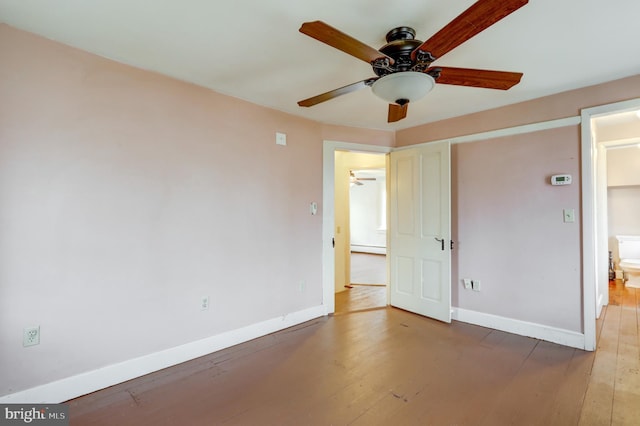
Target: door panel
{"x": 405, "y": 275}
{"x": 431, "y": 277}
{"x": 431, "y": 188}
{"x": 405, "y": 193}
{"x": 419, "y": 248}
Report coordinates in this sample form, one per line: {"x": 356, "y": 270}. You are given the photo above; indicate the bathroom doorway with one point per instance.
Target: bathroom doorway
{"x": 595, "y": 256}
{"x": 617, "y": 190}
{"x": 623, "y": 194}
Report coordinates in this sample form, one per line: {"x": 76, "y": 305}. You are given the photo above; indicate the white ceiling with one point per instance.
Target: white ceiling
{"x": 251, "y": 49}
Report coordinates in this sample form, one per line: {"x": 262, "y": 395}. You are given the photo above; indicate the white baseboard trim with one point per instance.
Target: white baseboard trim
{"x": 91, "y": 381}
{"x": 599, "y": 305}
{"x": 522, "y": 328}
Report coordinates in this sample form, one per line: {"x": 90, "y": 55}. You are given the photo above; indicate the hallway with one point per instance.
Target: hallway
{"x": 367, "y": 268}
{"x": 368, "y": 284}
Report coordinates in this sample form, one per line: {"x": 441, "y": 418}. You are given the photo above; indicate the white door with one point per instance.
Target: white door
{"x": 420, "y": 230}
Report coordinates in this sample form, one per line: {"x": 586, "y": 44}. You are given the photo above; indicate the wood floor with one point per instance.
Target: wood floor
{"x": 613, "y": 396}
{"x": 367, "y": 268}
{"x": 368, "y": 284}
{"x": 389, "y": 367}
{"x": 361, "y": 298}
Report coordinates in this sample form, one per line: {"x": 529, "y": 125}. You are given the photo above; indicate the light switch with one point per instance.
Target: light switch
{"x": 569, "y": 215}
{"x": 281, "y": 138}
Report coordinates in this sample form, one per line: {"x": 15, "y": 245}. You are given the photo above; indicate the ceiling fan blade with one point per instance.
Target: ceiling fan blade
{"x": 487, "y": 79}
{"x": 341, "y": 41}
{"x": 397, "y": 112}
{"x": 480, "y": 16}
{"x": 336, "y": 92}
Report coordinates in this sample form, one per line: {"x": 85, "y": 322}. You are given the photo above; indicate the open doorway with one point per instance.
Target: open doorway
{"x": 368, "y": 226}
{"x": 367, "y": 239}
{"x": 361, "y": 241}
{"x": 336, "y": 247}
{"x": 617, "y": 137}
{"x": 595, "y": 232}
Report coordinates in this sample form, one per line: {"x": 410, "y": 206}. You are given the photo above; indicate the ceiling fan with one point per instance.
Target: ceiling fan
{"x": 357, "y": 180}
{"x": 403, "y": 66}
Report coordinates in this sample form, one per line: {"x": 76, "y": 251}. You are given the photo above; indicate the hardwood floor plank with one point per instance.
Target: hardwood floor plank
{"x": 367, "y": 268}
{"x": 387, "y": 366}
{"x": 598, "y": 402}
{"x": 252, "y": 360}
{"x": 567, "y": 406}
{"x": 346, "y": 368}
{"x": 360, "y": 298}
{"x": 626, "y": 402}
{"x": 459, "y": 389}
{"x": 529, "y": 397}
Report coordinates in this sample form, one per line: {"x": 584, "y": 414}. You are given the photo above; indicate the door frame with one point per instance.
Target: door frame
{"x": 590, "y": 251}
{"x": 328, "y": 212}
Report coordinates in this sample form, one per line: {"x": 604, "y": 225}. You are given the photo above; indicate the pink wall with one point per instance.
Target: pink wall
{"x": 509, "y": 228}
{"x": 356, "y": 135}
{"x": 506, "y": 219}
{"x": 126, "y": 196}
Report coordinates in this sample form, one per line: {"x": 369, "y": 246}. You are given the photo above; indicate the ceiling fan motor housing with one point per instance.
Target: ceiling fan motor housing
{"x": 400, "y": 33}
{"x": 401, "y": 43}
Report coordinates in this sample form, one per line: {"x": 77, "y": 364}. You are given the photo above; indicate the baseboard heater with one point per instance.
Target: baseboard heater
{"x": 368, "y": 249}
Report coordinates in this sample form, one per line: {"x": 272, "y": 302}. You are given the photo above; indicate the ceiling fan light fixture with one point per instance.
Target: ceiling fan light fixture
{"x": 402, "y": 87}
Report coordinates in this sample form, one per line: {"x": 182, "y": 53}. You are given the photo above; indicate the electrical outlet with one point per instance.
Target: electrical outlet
{"x": 204, "y": 303}
{"x": 31, "y": 336}
{"x": 475, "y": 285}
{"x": 467, "y": 283}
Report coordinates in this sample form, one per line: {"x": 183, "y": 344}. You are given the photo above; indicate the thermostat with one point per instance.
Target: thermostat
{"x": 561, "y": 180}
